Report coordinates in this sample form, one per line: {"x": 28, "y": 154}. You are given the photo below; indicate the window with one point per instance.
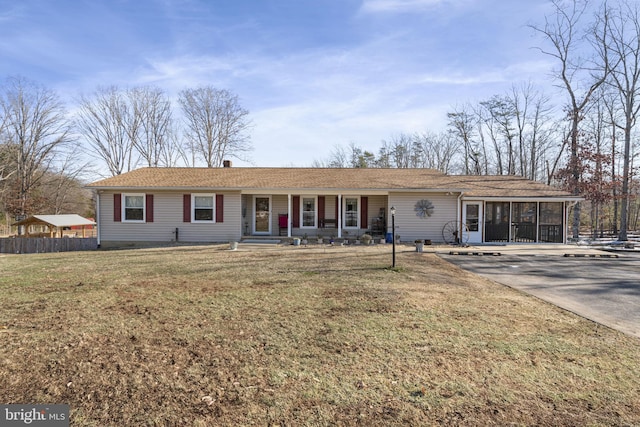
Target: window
{"x": 308, "y": 211}
{"x": 203, "y": 207}
{"x": 472, "y": 216}
{"x": 351, "y": 212}
{"x": 133, "y": 207}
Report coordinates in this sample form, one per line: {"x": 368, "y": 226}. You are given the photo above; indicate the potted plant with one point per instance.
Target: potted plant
{"x": 305, "y": 240}
{"x": 419, "y": 245}
{"x": 366, "y": 239}
{"x": 320, "y": 239}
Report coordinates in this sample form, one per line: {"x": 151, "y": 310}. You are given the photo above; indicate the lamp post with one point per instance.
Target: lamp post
{"x": 393, "y": 235}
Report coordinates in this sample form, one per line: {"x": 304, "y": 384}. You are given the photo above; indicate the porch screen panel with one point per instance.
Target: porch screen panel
{"x": 551, "y": 222}
{"x": 496, "y": 222}
{"x": 524, "y": 221}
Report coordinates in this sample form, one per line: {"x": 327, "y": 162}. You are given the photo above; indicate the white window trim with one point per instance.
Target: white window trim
{"x": 193, "y": 208}
{"x": 315, "y": 212}
{"x": 344, "y": 212}
{"x": 123, "y": 204}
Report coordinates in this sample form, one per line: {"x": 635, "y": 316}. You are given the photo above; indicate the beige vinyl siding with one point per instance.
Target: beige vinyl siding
{"x": 167, "y": 217}
{"x": 278, "y": 206}
{"x": 410, "y": 226}
{"x": 376, "y": 204}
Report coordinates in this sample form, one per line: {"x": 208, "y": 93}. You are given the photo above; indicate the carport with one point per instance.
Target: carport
{"x": 54, "y": 223}
{"x": 46, "y": 233}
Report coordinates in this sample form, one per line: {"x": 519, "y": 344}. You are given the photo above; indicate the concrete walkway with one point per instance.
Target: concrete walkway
{"x": 600, "y": 286}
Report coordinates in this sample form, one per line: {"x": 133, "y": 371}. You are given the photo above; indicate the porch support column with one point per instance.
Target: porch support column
{"x": 339, "y": 219}
{"x": 538, "y": 222}
{"x": 289, "y": 213}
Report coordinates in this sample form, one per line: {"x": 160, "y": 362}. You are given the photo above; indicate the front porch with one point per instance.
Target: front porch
{"x": 337, "y": 216}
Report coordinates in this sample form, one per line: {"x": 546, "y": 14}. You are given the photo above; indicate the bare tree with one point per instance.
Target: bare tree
{"x": 337, "y": 159}
{"x": 172, "y": 151}
{"x": 618, "y": 34}
{"x": 498, "y": 115}
{"x": 106, "y": 122}
{"x": 36, "y": 127}
{"x": 216, "y": 124}
{"x": 62, "y": 186}
{"x": 533, "y": 127}
{"x": 578, "y": 76}
{"x": 400, "y": 149}
{"x": 608, "y": 101}
{"x": 150, "y": 125}
{"x": 463, "y": 123}
{"x": 439, "y": 150}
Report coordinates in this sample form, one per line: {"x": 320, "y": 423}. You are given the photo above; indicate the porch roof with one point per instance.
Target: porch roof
{"x": 323, "y": 179}
{"x": 507, "y": 186}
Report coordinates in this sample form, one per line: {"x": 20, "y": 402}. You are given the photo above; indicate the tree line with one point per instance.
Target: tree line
{"x": 585, "y": 139}
{"x": 45, "y": 152}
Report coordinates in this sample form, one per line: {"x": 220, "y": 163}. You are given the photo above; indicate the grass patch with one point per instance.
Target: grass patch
{"x": 314, "y": 336}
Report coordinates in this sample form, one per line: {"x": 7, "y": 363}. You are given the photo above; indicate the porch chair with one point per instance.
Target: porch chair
{"x": 283, "y": 223}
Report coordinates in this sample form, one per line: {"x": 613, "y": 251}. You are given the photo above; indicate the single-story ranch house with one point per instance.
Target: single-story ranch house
{"x": 153, "y": 205}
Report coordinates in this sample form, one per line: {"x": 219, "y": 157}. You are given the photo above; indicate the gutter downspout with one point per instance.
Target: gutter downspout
{"x": 459, "y": 214}
{"x": 98, "y": 221}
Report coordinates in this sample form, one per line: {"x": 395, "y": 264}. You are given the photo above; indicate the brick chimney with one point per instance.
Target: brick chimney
{"x": 226, "y": 163}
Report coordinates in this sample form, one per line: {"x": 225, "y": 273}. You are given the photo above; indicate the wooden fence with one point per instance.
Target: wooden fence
{"x": 34, "y": 245}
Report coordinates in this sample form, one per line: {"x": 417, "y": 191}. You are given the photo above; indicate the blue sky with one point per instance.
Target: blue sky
{"x": 314, "y": 74}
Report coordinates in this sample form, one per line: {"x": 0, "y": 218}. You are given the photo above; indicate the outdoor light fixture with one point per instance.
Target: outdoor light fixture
{"x": 393, "y": 235}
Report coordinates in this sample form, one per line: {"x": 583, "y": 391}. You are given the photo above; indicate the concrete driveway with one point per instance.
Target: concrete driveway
{"x": 605, "y": 290}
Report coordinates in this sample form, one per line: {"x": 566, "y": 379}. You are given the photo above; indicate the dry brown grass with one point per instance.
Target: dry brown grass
{"x": 299, "y": 336}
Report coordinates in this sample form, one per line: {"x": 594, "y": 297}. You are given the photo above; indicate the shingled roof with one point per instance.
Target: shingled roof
{"x": 299, "y": 179}
{"x": 505, "y": 186}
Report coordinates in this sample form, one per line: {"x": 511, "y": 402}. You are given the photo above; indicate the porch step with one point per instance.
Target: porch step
{"x": 261, "y": 241}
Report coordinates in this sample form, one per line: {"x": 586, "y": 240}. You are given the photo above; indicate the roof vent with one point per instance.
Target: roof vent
{"x": 226, "y": 163}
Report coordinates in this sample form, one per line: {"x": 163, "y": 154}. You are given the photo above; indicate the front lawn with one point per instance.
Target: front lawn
{"x": 319, "y": 336}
